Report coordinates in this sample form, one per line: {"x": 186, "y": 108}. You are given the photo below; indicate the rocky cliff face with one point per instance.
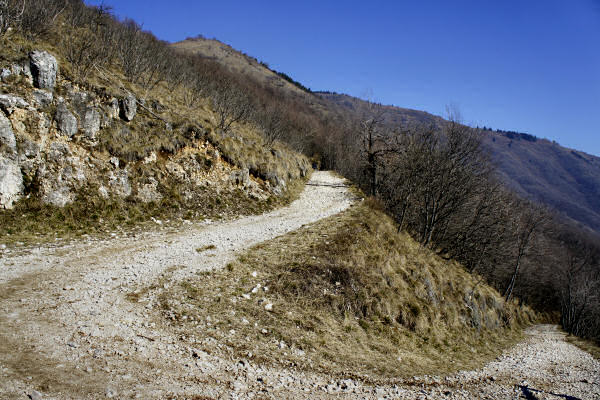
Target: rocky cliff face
{"x": 59, "y": 141}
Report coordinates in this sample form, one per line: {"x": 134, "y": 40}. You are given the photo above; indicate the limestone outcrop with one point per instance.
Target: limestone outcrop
{"x": 44, "y": 68}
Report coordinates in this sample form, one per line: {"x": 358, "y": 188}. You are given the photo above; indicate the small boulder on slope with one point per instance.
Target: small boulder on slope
{"x": 44, "y": 68}
{"x": 128, "y": 107}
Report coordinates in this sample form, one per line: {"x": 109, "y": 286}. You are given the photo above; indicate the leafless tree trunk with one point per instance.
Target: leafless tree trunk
{"x": 373, "y": 144}
{"x": 230, "y": 104}
{"x": 527, "y": 224}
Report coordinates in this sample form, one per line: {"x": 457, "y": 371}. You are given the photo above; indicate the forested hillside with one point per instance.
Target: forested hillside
{"x": 565, "y": 179}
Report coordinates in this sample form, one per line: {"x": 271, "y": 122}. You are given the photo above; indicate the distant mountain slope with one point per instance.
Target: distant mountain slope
{"x": 394, "y": 116}
{"x": 564, "y": 179}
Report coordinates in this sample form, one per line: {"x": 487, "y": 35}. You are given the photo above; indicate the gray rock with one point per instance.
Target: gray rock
{"x": 11, "y": 178}
{"x": 43, "y": 69}
{"x": 113, "y": 108}
{"x": 15, "y": 69}
{"x": 149, "y": 192}
{"x": 8, "y": 143}
{"x": 119, "y": 183}
{"x": 241, "y": 177}
{"x": 11, "y": 181}
{"x": 67, "y": 123}
{"x": 103, "y": 192}
{"x": 58, "y": 152}
{"x": 42, "y": 98}
{"x": 9, "y": 102}
{"x": 22, "y": 69}
{"x": 303, "y": 170}
{"x": 115, "y": 162}
{"x": 29, "y": 148}
{"x": 91, "y": 123}
{"x": 128, "y": 107}
{"x": 277, "y": 183}
{"x": 35, "y": 395}
{"x": 4, "y": 74}
{"x": 79, "y": 100}
{"x": 58, "y": 194}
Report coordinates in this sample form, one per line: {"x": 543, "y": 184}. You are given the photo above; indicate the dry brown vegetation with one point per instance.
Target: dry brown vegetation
{"x": 586, "y": 345}
{"x": 350, "y": 296}
{"x": 33, "y": 222}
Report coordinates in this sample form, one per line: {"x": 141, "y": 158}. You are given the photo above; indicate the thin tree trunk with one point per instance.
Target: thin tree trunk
{"x": 509, "y": 290}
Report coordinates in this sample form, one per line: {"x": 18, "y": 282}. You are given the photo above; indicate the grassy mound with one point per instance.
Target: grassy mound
{"x": 346, "y": 294}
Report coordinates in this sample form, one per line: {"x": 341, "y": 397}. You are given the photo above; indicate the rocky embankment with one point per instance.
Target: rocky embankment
{"x": 59, "y": 140}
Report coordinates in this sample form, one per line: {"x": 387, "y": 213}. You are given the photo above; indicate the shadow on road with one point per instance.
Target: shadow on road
{"x": 529, "y": 393}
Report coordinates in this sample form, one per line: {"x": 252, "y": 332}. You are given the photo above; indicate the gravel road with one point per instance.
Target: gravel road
{"x": 70, "y": 327}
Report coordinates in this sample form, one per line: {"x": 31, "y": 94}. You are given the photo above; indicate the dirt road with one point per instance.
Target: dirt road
{"x": 80, "y": 321}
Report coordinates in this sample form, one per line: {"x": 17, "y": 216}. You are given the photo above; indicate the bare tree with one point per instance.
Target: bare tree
{"x": 456, "y": 167}
{"x": 373, "y": 144}
{"x": 229, "y": 103}
{"x": 579, "y": 294}
{"x": 34, "y": 18}
{"x": 273, "y": 126}
{"x": 400, "y": 175}
{"x": 90, "y": 42}
{"x": 10, "y": 14}
{"x": 527, "y": 224}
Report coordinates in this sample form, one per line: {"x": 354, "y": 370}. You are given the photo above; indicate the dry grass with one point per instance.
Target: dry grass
{"x": 31, "y": 222}
{"x": 349, "y": 296}
{"x": 206, "y": 248}
{"x": 585, "y": 345}
{"x": 236, "y": 62}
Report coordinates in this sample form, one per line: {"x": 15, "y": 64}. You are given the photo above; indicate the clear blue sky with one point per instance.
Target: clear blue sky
{"x": 530, "y": 66}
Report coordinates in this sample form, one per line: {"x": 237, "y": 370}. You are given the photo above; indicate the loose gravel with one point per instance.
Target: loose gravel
{"x": 81, "y": 321}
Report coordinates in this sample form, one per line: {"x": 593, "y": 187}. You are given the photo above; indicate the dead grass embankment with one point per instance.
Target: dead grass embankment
{"x": 347, "y": 295}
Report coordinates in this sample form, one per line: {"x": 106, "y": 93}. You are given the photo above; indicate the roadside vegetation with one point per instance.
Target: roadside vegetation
{"x": 33, "y": 222}
{"x": 348, "y": 295}
{"x": 585, "y": 345}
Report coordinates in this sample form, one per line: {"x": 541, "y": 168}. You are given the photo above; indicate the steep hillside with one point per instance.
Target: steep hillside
{"x": 100, "y": 152}
{"x": 566, "y": 179}
{"x": 394, "y": 116}
{"x": 238, "y": 62}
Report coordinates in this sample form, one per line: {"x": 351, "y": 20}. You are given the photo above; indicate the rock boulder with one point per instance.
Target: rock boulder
{"x": 67, "y": 123}
{"x": 43, "y": 69}
{"x": 11, "y": 179}
{"x": 91, "y": 123}
{"x": 128, "y": 107}
{"x": 9, "y": 102}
